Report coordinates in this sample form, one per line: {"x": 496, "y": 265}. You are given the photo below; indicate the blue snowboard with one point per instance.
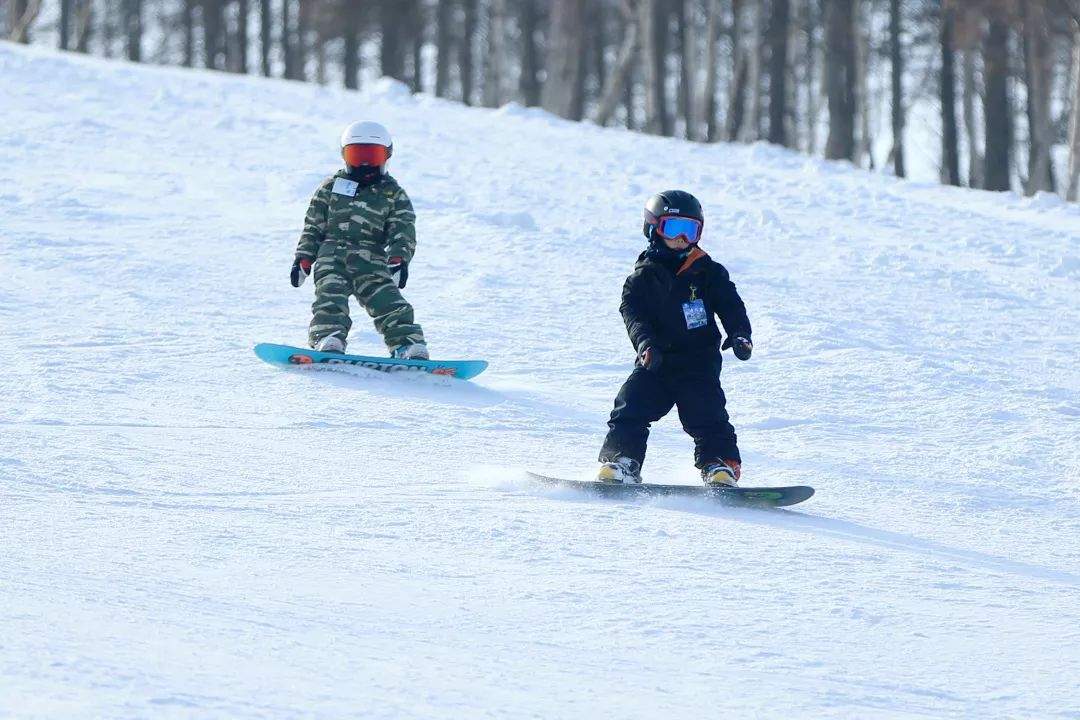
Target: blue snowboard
{"x": 287, "y": 355}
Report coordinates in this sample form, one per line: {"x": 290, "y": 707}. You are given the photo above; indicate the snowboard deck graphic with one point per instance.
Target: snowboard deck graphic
{"x": 288, "y": 355}
{"x": 749, "y": 496}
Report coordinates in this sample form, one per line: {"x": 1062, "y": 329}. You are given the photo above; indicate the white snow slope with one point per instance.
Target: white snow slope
{"x": 188, "y": 532}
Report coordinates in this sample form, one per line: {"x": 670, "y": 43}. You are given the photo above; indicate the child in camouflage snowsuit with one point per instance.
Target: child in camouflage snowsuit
{"x": 359, "y": 237}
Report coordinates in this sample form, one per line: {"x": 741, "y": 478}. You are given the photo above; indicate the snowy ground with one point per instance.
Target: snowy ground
{"x": 187, "y": 532}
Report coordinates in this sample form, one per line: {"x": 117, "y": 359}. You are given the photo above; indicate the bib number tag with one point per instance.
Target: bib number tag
{"x": 694, "y": 312}
{"x": 345, "y": 187}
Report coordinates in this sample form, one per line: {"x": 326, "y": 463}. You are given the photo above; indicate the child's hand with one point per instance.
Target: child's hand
{"x": 742, "y": 347}
{"x": 301, "y": 268}
{"x": 651, "y": 359}
{"x": 397, "y": 265}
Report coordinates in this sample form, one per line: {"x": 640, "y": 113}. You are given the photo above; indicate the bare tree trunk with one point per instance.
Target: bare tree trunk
{"x": 996, "y": 105}
{"x": 596, "y": 46}
{"x": 229, "y": 45}
{"x": 133, "y": 29}
{"x": 791, "y": 99}
{"x": 950, "y": 150}
{"x": 320, "y": 56}
{"x": 265, "y": 25}
{"x": 188, "y": 22}
{"x": 494, "y": 78}
{"x": 1073, "y": 194}
{"x": 351, "y": 16}
{"x": 561, "y": 94}
{"x": 465, "y": 51}
{"x": 302, "y": 43}
{"x": 65, "y": 23}
{"x": 243, "y": 12}
{"x": 676, "y": 17}
{"x": 84, "y": 23}
{"x": 444, "y": 18}
{"x": 653, "y": 91}
{"x": 687, "y": 67}
{"x": 288, "y": 38}
{"x": 16, "y": 9}
{"x": 483, "y": 38}
{"x": 1039, "y": 73}
{"x": 779, "y": 24}
{"x": 213, "y": 31}
{"x": 164, "y": 19}
{"x": 712, "y": 58}
{"x": 577, "y": 110}
{"x": 629, "y": 99}
{"x": 751, "y": 128}
{"x": 737, "y": 95}
{"x": 971, "y": 125}
{"x": 391, "y": 49}
{"x": 351, "y": 59}
{"x": 108, "y": 28}
{"x": 654, "y": 53}
{"x": 230, "y": 40}
{"x": 863, "y": 101}
{"x": 216, "y": 43}
{"x": 417, "y": 38}
{"x": 529, "y": 84}
{"x": 897, "y": 67}
{"x": 23, "y": 15}
{"x": 288, "y": 51}
{"x": 813, "y": 63}
{"x": 840, "y": 78}
{"x": 617, "y": 78}
{"x": 737, "y": 107}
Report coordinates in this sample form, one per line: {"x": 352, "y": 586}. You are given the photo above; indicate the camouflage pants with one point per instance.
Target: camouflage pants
{"x": 340, "y": 273}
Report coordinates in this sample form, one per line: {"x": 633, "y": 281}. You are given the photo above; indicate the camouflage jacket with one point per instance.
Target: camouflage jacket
{"x": 377, "y": 218}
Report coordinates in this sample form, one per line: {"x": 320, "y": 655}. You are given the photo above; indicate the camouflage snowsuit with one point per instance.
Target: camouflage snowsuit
{"x": 349, "y": 233}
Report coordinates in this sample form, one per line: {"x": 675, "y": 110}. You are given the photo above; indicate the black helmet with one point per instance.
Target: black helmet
{"x": 671, "y": 202}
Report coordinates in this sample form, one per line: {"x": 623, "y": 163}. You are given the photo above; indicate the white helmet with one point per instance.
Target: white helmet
{"x": 367, "y": 133}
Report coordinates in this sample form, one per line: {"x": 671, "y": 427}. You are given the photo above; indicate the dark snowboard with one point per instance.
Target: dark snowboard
{"x": 749, "y": 496}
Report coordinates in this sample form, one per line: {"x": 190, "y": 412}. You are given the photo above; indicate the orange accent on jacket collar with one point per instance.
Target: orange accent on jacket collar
{"x": 696, "y": 254}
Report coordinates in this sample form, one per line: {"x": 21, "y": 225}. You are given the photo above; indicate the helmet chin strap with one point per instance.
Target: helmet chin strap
{"x": 658, "y": 248}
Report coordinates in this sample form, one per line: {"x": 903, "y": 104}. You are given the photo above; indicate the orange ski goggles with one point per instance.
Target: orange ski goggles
{"x": 365, "y": 154}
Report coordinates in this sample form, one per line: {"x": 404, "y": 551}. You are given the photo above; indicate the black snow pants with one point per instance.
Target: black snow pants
{"x": 691, "y": 384}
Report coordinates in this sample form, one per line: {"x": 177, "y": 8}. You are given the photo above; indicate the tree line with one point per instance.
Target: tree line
{"x": 840, "y": 78}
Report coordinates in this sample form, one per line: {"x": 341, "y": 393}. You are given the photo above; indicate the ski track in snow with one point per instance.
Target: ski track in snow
{"x": 187, "y": 532}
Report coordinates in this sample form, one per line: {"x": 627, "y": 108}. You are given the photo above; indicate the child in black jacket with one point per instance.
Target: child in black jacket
{"x": 670, "y": 304}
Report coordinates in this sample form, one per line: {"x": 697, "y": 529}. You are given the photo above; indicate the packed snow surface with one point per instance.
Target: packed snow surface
{"x": 188, "y": 532}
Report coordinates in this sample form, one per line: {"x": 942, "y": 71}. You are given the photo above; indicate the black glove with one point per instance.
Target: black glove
{"x": 398, "y": 265}
{"x": 651, "y": 359}
{"x": 301, "y": 268}
{"x": 741, "y": 346}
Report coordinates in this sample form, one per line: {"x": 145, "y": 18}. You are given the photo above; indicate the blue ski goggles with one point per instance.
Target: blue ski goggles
{"x": 673, "y": 227}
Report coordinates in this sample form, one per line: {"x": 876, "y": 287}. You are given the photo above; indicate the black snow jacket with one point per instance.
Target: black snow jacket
{"x": 655, "y": 294}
